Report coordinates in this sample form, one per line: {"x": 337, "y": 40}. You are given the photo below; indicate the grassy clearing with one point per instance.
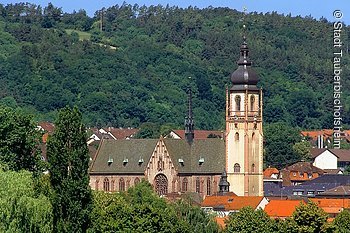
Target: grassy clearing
{"x": 82, "y": 35}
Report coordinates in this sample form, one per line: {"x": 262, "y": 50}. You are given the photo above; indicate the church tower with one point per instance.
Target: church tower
{"x": 244, "y": 134}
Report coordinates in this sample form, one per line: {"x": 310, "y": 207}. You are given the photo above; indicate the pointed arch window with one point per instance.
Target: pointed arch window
{"x": 106, "y": 184}
{"x": 236, "y": 136}
{"x": 253, "y": 167}
{"x": 238, "y": 103}
{"x": 96, "y": 184}
{"x": 121, "y": 185}
{"x": 198, "y": 185}
{"x": 136, "y": 181}
{"x": 184, "y": 185}
{"x": 161, "y": 184}
{"x": 112, "y": 185}
{"x": 236, "y": 168}
{"x": 208, "y": 187}
{"x": 252, "y": 103}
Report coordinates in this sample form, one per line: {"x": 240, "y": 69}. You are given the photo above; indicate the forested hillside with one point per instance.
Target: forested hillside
{"x": 136, "y": 70}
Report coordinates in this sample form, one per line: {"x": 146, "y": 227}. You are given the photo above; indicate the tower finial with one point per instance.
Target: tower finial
{"x": 244, "y": 24}
{"x": 189, "y": 124}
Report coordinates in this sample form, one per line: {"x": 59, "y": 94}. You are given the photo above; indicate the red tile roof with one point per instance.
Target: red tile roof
{"x": 270, "y": 171}
{"x": 121, "y": 133}
{"x": 332, "y": 206}
{"x": 198, "y": 134}
{"x": 47, "y": 126}
{"x": 282, "y": 208}
{"x": 232, "y": 202}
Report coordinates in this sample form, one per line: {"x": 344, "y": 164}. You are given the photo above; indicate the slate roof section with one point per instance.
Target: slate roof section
{"x": 211, "y": 151}
{"x": 118, "y": 150}
{"x": 205, "y": 156}
{"x": 339, "y": 191}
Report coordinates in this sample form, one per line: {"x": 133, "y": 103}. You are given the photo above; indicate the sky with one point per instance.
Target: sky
{"x": 315, "y": 8}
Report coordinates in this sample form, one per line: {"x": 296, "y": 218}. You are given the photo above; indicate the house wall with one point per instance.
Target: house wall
{"x": 326, "y": 160}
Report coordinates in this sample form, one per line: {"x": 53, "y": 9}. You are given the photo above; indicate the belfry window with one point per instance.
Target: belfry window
{"x": 253, "y": 167}
{"x": 252, "y": 103}
{"x": 238, "y": 103}
{"x": 236, "y": 136}
{"x": 237, "y": 168}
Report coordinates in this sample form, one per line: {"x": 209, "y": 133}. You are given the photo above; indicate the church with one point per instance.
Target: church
{"x": 194, "y": 165}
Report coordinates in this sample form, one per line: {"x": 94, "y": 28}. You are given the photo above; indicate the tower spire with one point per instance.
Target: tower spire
{"x": 189, "y": 124}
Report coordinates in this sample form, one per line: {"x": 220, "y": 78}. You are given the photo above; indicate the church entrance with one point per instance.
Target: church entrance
{"x": 161, "y": 184}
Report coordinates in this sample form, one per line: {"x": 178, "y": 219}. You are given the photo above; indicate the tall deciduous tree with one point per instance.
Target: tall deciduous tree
{"x": 18, "y": 141}
{"x": 68, "y": 157}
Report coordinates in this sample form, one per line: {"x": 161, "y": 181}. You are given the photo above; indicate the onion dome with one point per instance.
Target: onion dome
{"x": 244, "y": 77}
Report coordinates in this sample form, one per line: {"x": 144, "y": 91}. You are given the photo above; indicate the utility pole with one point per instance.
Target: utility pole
{"x": 101, "y": 19}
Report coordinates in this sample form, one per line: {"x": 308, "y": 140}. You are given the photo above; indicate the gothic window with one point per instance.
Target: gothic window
{"x": 121, "y": 185}
{"x": 106, "y": 185}
{"x": 236, "y": 168}
{"x": 128, "y": 184}
{"x": 184, "y": 184}
{"x": 136, "y": 181}
{"x": 238, "y": 103}
{"x": 253, "y": 167}
{"x": 161, "y": 183}
{"x": 236, "y": 136}
{"x": 96, "y": 184}
{"x": 198, "y": 185}
{"x": 253, "y": 136}
{"x": 112, "y": 185}
{"x": 208, "y": 187}
{"x": 252, "y": 103}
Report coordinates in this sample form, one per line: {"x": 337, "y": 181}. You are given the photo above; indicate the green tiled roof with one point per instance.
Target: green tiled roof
{"x": 210, "y": 151}
{"x": 120, "y": 150}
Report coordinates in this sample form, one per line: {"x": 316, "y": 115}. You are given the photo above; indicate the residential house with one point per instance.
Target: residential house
{"x": 300, "y": 172}
{"x": 330, "y": 158}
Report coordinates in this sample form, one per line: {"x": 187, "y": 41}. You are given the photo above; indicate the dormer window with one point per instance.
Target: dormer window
{"x": 201, "y": 161}
{"x": 125, "y": 161}
{"x": 110, "y": 161}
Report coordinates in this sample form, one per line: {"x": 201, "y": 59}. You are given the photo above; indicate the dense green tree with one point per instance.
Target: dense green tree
{"x": 19, "y": 141}
{"x": 279, "y": 141}
{"x": 342, "y": 222}
{"x": 21, "y": 208}
{"x": 249, "y": 220}
{"x": 310, "y": 218}
{"x": 68, "y": 158}
{"x": 302, "y": 149}
{"x": 140, "y": 209}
